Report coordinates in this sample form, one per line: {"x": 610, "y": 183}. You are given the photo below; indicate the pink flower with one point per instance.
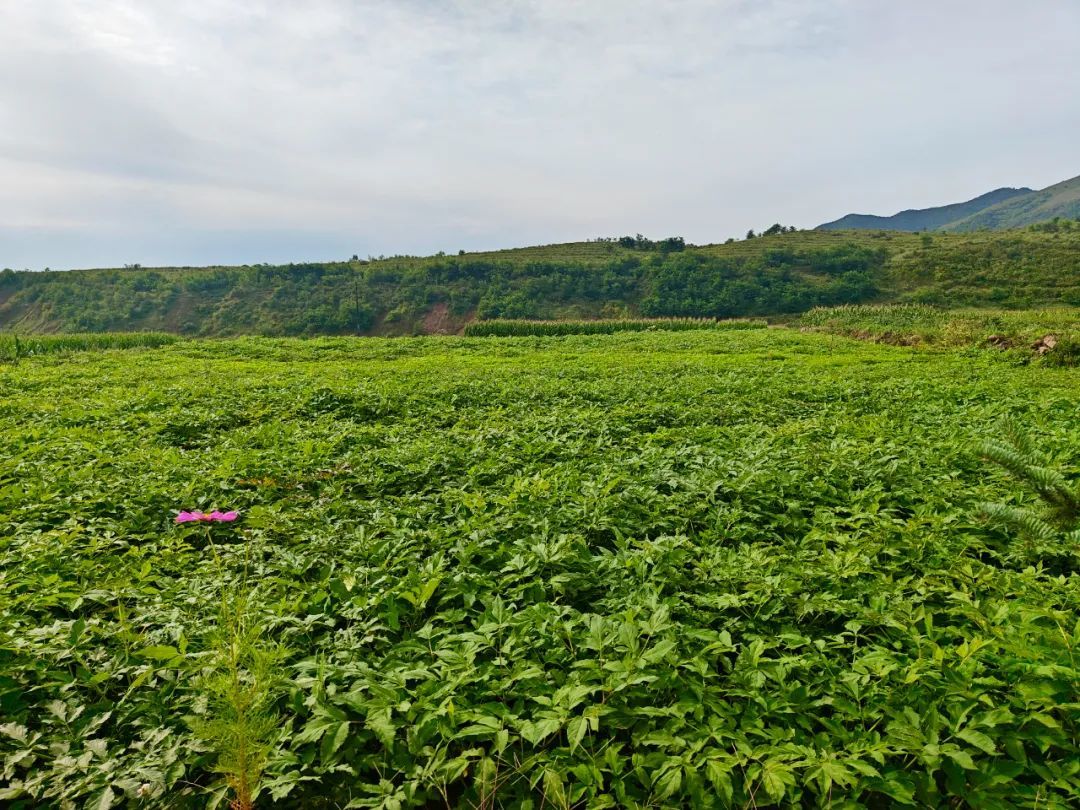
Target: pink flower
{"x": 213, "y": 517}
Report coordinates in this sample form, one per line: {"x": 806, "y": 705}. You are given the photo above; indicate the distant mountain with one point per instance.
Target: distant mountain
{"x": 927, "y": 219}
{"x": 1061, "y": 200}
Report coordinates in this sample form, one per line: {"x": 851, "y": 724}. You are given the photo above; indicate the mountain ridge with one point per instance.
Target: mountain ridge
{"x": 924, "y": 219}
{"x": 1059, "y": 200}
{"x": 1000, "y": 209}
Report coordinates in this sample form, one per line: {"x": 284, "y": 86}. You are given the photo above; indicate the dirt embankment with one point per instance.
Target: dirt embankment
{"x": 437, "y": 321}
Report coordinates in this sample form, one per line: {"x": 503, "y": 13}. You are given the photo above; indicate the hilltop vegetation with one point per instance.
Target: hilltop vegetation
{"x": 779, "y": 274}
{"x": 1000, "y": 209}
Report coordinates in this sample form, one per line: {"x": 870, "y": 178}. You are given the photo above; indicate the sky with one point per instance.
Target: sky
{"x": 198, "y": 132}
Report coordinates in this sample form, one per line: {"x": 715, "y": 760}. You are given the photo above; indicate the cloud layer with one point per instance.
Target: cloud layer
{"x": 205, "y": 131}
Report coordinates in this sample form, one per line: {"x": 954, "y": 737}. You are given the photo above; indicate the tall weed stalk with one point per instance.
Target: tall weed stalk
{"x": 240, "y": 683}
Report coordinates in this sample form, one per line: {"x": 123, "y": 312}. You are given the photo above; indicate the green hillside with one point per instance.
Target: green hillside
{"x": 925, "y": 219}
{"x": 1061, "y": 200}
{"x": 777, "y": 275}
{"x": 1002, "y": 209}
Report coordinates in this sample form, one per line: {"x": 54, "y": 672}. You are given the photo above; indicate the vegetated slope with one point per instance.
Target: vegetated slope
{"x": 1060, "y": 200}
{"x": 924, "y": 219}
{"x": 998, "y": 210}
{"x": 401, "y": 296}
{"x": 700, "y": 569}
{"x": 775, "y": 275}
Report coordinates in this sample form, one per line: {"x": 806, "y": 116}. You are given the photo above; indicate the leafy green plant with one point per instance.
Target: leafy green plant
{"x": 708, "y": 568}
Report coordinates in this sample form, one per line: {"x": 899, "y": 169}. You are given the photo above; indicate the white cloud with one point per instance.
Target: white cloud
{"x": 190, "y": 130}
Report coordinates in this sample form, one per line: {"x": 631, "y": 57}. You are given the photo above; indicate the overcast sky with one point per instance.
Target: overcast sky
{"x": 202, "y": 131}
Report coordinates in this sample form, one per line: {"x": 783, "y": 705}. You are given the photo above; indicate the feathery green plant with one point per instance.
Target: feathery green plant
{"x": 1059, "y": 519}
{"x": 240, "y": 685}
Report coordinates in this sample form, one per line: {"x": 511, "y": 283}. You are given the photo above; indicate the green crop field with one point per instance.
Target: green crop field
{"x": 717, "y": 568}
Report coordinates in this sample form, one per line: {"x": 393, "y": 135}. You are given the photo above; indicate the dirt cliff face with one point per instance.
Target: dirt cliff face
{"x": 439, "y": 320}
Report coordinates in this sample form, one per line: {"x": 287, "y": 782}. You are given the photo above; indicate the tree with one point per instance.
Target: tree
{"x": 750, "y": 234}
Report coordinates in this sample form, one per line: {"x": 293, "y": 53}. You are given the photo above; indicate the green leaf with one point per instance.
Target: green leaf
{"x": 659, "y": 651}
{"x": 669, "y": 781}
{"x": 775, "y": 779}
{"x": 15, "y": 731}
{"x": 427, "y": 590}
{"x": 959, "y": 756}
{"x": 159, "y": 653}
{"x": 104, "y": 800}
{"x": 830, "y": 772}
{"x": 380, "y": 723}
{"x": 333, "y": 740}
{"x": 535, "y": 732}
{"x": 898, "y": 786}
{"x": 720, "y": 777}
{"x": 554, "y": 792}
{"x": 977, "y": 739}
{"x": 575, "y": 731}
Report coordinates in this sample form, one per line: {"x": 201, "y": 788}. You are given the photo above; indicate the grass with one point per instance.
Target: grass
{"x": 913, "y": 323}
{"x": 512, "y": 328}
{"x": 727, "y": 568}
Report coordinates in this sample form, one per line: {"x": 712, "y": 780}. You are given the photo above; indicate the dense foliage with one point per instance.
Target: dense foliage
{"x": 775, "y": 281}
{"x": 716, "y": 568}
{"x": 776, "y": 274}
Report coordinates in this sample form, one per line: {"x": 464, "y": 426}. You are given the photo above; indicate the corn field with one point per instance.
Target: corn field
{"x": 13, "y": 346}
